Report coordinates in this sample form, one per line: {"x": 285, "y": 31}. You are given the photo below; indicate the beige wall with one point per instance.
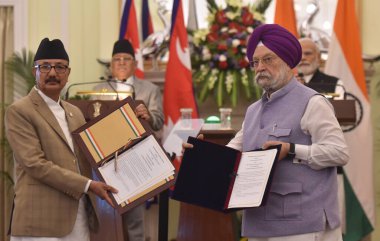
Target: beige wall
{"x": 88, "y": 29}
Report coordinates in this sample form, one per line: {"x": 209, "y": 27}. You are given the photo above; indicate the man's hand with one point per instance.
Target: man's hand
{"x": 186, "y": 145}
{"x": 101, "y": 190}
{"x": 142, "y": 111}
{"x": 284, "y": 147}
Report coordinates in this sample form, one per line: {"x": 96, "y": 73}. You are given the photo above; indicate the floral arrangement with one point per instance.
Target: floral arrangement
{"x": 219, "y": 59}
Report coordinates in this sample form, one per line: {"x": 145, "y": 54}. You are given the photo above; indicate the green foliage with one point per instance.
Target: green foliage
{"x": 21, "y": 65}
{"x": 262, "y": 5}
{"x": 221, "y": 69}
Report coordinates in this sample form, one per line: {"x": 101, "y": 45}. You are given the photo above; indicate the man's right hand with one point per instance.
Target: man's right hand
{"x": 186, "y": 145}
{"x": 101, "y": 190}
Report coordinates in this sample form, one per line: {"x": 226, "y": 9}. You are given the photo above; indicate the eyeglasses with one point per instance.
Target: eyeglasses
{"x": 46, "y": 68}
{"x": 120, "y": 59}
{"x": 267, "y": 60}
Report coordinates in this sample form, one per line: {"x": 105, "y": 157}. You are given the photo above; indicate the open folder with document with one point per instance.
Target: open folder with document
{"x": 222, "y": 178}
{"x": 124, "y": 154}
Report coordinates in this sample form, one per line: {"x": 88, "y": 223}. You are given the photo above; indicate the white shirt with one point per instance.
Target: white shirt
{"x": 328, "y": 146}
{"x": 80, "y": 231}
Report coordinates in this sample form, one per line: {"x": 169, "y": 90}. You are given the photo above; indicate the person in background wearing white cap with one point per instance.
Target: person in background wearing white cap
{"x": 54, "y": 194}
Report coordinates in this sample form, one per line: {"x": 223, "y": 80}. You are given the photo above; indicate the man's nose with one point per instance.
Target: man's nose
{"x": 52, "y": 72}
{"x": 260, "y": 67}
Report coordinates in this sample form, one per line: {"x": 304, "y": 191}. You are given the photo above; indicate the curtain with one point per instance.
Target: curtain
{"x": 6, "y": 97}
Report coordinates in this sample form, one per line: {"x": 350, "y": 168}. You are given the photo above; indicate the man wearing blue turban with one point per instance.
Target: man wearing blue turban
{"x": 302, "y": 203}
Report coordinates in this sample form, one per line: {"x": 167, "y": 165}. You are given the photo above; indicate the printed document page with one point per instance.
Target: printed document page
{"x": 252, "y": 177}
{"x": 137, "y": 169}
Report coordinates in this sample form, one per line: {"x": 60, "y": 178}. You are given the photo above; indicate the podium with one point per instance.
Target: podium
{"x": 93, "y": 108}
{"x": 345, "y": 111}
{"x": 198, "y": 223}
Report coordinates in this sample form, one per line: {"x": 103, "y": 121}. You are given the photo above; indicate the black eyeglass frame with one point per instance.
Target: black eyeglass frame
{"x": 59, "y": 68}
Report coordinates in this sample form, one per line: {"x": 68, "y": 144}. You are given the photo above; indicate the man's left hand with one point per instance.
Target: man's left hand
{"x": 284, "y": 147}
{"x": 142, "y": 111}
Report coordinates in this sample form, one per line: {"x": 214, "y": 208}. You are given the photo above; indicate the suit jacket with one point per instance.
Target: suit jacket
{"x": 147, "y": 92}
{"x": 48, "y": 184}
{"x": 322, "y": 82}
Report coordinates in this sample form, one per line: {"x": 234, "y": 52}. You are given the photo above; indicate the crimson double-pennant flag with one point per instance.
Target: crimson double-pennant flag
{"x": 129, "y": 31}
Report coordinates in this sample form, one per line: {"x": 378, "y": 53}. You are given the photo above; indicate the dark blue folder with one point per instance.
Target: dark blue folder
{"x": 207, "y": 175}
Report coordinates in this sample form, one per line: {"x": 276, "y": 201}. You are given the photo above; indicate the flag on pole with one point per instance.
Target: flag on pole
{"x": 146, "y": 20}
{"x": 345, "y": 62}
{"x": 129, "y": 30}
{"x": 178, "y": 91}
{"x": 284, "y": 15}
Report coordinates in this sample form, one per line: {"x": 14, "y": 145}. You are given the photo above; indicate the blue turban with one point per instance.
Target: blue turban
{"x": 279, "y": 40}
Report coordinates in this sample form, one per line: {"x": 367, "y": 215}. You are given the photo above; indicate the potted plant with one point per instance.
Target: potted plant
{"x": 19, "y": 66}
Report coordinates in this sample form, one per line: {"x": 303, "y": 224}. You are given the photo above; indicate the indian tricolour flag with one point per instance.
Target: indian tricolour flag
{"x": 345, "y": 62}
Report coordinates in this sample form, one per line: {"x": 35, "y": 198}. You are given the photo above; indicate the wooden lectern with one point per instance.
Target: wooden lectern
{"x": 110, "y": 221}
{"x": 345, "y": 111}
{"x": 93, "y": 108}
{"x": 198, "y": 223}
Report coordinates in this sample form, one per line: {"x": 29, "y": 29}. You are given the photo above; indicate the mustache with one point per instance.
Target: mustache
{"x": 304, "y": 63}
{"x": 52, "y": 79}
{"x": 262, "y": 75}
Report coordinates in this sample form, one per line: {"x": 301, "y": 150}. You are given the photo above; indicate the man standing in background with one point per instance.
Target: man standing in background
{"x": 308, "y": 67}
{"x": 123, "y": 67}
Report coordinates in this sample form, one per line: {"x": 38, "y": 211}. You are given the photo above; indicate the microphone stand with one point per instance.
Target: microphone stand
{"x": 110, "y": 84}
{"x": 124, "y": 82}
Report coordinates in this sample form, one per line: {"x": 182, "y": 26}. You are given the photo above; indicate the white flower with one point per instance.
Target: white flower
{"x": 206, "y": 56}
{"x": 234, "y": 3}
{"x": 222, "y": 58}
{"x": 229, "y": 81}
{"x": 249, "y": 29}
{"x": 224, "y": 29}
{"x": 235, "y": 42}
{"x": 232, "y": 15}
{"x": 232, "y": 30}
{"x": 205, "y": 50}
{"x": 213, "y": 78}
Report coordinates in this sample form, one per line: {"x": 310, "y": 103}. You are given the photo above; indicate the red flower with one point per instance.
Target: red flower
{"x": 233, "y": 25}
{"x": 222, "y": 46}
{"x": 234, "y": 50}
{"x": 220, "y": 17}
{"x": 211, "y": 37}
{"x": 214, "y": 28}
{"x": 247, "y": 17}
{"x": 243, "y": 63}
{"x": 223, "y": 65}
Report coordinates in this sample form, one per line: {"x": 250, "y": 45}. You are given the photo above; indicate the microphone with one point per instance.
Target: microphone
{"x": 124, "y": 82}
{"x": 82, "y": 83}
{"x": 108, "y": 80}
